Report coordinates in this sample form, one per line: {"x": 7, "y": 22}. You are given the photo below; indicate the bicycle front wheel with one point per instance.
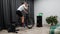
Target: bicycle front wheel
{"x": 30, "y": 23}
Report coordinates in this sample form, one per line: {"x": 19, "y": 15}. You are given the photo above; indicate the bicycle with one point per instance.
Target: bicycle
{"x": 28, "y": 21}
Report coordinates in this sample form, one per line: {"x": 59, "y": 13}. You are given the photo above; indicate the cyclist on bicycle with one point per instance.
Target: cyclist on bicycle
{"x": 22, "y": 11}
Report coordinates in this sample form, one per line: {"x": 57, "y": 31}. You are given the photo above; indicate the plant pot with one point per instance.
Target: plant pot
{"x": 52, "y": 24}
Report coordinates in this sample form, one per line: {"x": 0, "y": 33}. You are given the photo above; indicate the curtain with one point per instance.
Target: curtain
{"x": 1, "y": 15}
{"x": 8, "y": 11}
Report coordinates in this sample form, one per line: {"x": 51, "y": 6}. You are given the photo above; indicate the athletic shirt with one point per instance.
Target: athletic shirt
{"x": 22, "y": 7}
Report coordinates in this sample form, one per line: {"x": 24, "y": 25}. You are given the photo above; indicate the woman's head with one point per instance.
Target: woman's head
{"x": 26, "y": 4}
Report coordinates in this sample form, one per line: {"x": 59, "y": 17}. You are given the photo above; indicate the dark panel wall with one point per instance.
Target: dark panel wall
{"x": 31, "y": 6}
{"x": 18, "y": 3}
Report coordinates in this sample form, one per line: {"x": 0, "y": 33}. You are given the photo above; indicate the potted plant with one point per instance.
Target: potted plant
{"x": 52, "y": 20}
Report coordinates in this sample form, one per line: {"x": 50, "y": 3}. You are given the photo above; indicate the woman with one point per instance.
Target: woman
{"x": 22, "y": 11}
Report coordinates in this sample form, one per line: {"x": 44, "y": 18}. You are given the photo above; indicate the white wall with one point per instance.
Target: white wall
{"x": 48, "y": 8}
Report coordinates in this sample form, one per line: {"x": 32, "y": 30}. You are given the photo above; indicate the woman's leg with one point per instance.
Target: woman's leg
{"x": 22, "y": 19}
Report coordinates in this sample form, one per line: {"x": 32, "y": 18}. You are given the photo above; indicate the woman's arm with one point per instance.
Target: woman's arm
{"x": 26, "y": 11}
{"x": 26, "y": 8}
